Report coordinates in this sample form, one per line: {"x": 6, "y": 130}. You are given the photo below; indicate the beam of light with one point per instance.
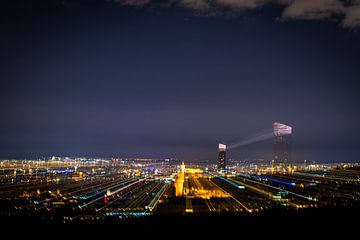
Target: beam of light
{"x": 261, "y": 136}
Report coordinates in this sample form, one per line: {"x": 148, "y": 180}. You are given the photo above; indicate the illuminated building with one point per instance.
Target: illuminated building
{"x": 222, "y": 157}
{"x": 179, "y": 182}
{"x": 282, "y": 144}
{"x": 201, "y": 186}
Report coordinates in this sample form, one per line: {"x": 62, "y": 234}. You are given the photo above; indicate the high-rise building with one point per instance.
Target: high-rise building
{"x": 222, "y": 157}
{"x": 282, "y": 144}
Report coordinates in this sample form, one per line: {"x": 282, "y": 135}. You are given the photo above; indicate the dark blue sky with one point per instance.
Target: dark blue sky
{"x": 97, "y": 79}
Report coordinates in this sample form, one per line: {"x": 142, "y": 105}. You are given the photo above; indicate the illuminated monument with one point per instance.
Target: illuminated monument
{"x": 282, "y": 144}
{"x": 179, "y": 182}
{"x": 222, "y": 157}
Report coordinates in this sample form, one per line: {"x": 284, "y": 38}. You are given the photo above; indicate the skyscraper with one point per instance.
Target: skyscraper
{"x": 282, "y": 143}
{"x": 222, "y": 157}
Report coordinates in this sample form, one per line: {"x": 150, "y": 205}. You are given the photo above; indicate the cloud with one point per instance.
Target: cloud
{"x": 242, "y": 4}
{"x": 195, "y": 4}
{"x": 133, "y": 2}
{"x": 229, "y": 4}
{"x": 345, "y": 12}
{"x": 352, "y": 17}
{"x": 313, "y": 9}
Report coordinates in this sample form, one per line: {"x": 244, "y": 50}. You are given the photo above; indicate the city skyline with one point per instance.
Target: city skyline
{"x": 171, "y": 117}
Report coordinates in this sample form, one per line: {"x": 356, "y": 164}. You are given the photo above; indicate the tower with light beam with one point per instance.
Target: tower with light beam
{"x": 282, "y": 146}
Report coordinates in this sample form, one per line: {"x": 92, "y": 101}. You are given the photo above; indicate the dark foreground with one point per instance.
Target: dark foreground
{"x": 340, "y": 222}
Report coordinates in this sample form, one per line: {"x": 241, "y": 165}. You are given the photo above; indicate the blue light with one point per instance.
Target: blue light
{"x": 232, "y": 183}
{"x": 275, "y": 180}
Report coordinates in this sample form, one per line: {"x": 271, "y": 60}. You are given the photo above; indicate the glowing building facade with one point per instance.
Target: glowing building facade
{"x": 222, "y": 157}
{"x": 179, "y": 182}
{"x": 282, "y": 144}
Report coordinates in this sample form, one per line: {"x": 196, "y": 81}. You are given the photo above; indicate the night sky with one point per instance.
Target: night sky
{"x": 175, "y": 78}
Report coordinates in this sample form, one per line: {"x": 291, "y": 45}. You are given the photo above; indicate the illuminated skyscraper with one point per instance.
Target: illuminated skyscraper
{"x": 222, "y": 157}
{"x": 282, "y": 143}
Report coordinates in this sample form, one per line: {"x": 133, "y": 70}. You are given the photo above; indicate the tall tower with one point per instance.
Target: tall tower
{"x": 222, "y": 157}
{"x": 282, "y": 144}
